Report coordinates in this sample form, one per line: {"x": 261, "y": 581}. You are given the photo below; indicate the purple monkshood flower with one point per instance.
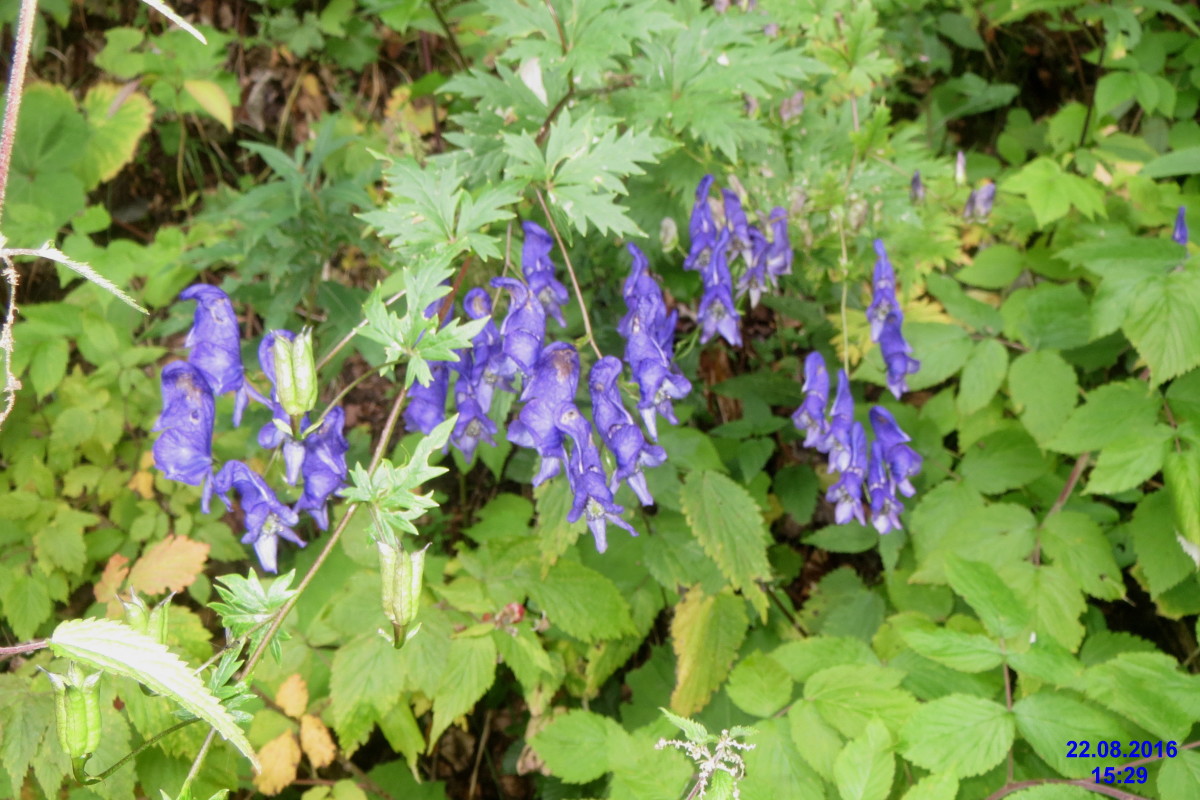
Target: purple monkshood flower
{"x": 896, "y": 359}
{"x": 539, "y": 271}
{"x": 585, "y": 473}
{"x": 717, "y": 315}
{"x": 810, "y": 417}
{"x": 324, "y": 467}
{"x": 426, "y": 407}
{"x": 916, "y": 189}
{"x": 524, "y": 328}
{"x": 266, "y": 518}
{"x": 885, "y": 507}
{"x": 883, "y": 292}
{"x": 779, "y": 253}
{"x": 644, "y": 299}
{"x": 1180, "y": 234}
{"x": 619, "y": 433}
{"x": 902, "y": 461}
{"x": 979, "y": 202}
{"x": 841, "y": 422}
{"x": 215, "y": 344}
{"x": 846, "y": 493}
{"x": 554, "y": 382}
{"x": 702, "y": 228}
{"x": 473, "y": 424}
{"x": 754, "y": 279}
{"x": 739, "y": 227}
{"x": 184, "y": 450}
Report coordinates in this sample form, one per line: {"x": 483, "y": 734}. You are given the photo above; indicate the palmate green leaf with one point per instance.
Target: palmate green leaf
{"x": 1053, "y": 192}
{"x": 849, "y": 696}
{"x": 1049, "y": 719}
{"x": 1004, "y": 460}
{"x": 1000, "y": 609}
{"x": 115, "y": 647}
{"x": 1073, "y": 541}
{"x": 865, "y": 767}
{"x": 1163, "y": 322}
{"x": 729, "y": 525}
{"x": 26, "y": 603}
{"x": 26, "y": 720}
{"x": 707, "y": 631}
{"x": 1055, "y": 599}
{"x": 1150, "y": 690}
{"x": 958, "y": 733}
{"x": 562, "y": 743}
{"x": 364, "y": 683}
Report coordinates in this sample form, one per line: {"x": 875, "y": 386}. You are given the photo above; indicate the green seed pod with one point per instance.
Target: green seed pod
{"x": 402, "y": 574}
{"x": 137, "y": 616}
{"x": 77, "y": 711}
{"x": 295, "y": 373}
{"x": 156, "y": 625}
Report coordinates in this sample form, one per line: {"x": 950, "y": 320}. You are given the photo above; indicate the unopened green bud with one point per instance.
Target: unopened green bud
{"x": 668, "y": 234}
{"x": 77, "y": 711}
{"x": 137, "y": 615}
{"x": 401, "y": 574}
{"x": 296, "y": 373}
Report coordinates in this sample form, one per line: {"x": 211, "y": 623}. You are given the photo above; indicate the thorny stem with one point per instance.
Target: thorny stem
{"x": 587, "y": 322}
{"x": 16, "y": 89}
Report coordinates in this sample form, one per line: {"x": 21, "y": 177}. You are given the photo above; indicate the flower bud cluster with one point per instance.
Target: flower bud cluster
{"x": 883, "y": 467}
{"x": 184, "y": 450}
{"x": 713, "y": 247}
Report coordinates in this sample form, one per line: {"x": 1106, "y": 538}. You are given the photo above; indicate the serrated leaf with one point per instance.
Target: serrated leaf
{"x": 316, "y": 742}
{"x": 26, "y": 719}
{"x": 864, "y": 768}
{"x": 117, "y": 120}
{"x": 1044, "y": 389}
{"x": 1004, "y": 460}
{"x": 1073, "y": 541}
{"x": 965, "y": 652}
{"x": 1110, "y": 412}
{"x": 169, "y": 565}
{"x": 116, "y": 648}
{"x": 1055, "y": 600}
{"x": 1179, "y": 777}
{"x": 706, "y": 633}
{"x": 729, "y": 526}
{"x": 365, "y": 681}
{"x": 1160, "y": 557}
{"x": 775, "y": 767}
{"x": 280, "y": 758}
{"x": 1052, "y": 192}
{"x": 26, "y": 604}
{"x": 998, "y": 606}
{"x": 982, "y": 376}
{"x": 938, "y": 786}
{"x": 1128, "y": 462}
{"x": 1149, "y": 689}
{"x": 1163, "y": 322}
{"x": 849, "y": 696}
{"x": 1049, "y": 719}
{"x": 759, "y": 685}
{"x": 292, "y": 696}
{"x": 1181, "y": 475}
{"x": 822, "y": 742}
{"x": 692, "y": 730}
{"x": 581, "y": 601}
{"x": 48, "y": 365}
{"x": 958, "y": 733}
{"x": 470, "y": 670}
{"x": 560, "y": 743}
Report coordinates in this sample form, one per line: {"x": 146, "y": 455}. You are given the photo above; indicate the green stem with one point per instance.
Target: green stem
{"x": 587, "y": 322}
{"x": 132, "y": 753}
{"x": 337, "y": 348}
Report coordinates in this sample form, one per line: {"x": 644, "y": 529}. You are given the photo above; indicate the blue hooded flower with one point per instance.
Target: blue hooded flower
{"x": 885, "y": 507}
{"x": 979, "y": 202}
{"x": 426, "y": 407}
{"x": 473, "y": 424}
{"x": 539, "y": 271}
{"x": 837, "y": 441}
{"x": 585, "y": 473}
{"x": 846, "y": 493}
{"x": 779, "y": 253}
{"x": 916, "y": 189}
{"x": 618, "y": 431}
{"x": 524, "y": 328}
{"x": 754, "y": 279}
{"x": 266, "y": 518}
{"x": 702, "y": 228}
{"x": 896, "y": 359}
{"x": 1180, "y": 234}
{"x": 324, "y": 467}
{"x": 883, "y": 292}
{"x": 739, "y": 227}
{"x": 554, "y": 382}
{"x": 215, "y": 344}
{"x": 184, "y": 450}
{"x": 810, "y": 417}
{"x": 717, "y": 315}
{"x": 902, "y": 461}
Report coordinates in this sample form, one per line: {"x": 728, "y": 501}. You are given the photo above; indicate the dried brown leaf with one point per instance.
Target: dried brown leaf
{"x": 292, "y": 697}
{"x": 279, "y": 758}
{"x": 317, "y": 743}
{"x": 170, "y": 565}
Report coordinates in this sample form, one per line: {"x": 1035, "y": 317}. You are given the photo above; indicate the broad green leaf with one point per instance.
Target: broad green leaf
{"x": 48, "y": 365}
{"x": 26, "y": 719}
{"x": 1181, "y": 475}
{"x": 581, "y": 601}
{"x": 1150, "y": 690}
{"x": 996, "y": 533}
{"x": 982, "y": 376}
{"x": 364, "y": 684}
{"x": 864, "y": 768}
{"x": 59, "y": 544}
{"x": 1000, "y": 609}
{"x": 1128, "y": 462}
{"x": 707, "y": 631}
{"x": 1179, "y": 777}
{"x": 1073, "y": 541}
{"x": 1043, "y": 389}
{"x": 806, "y": 657}
{"x": 994, "y": 267}
{"x": 1163, "y": 322}
{"x": 759, "y": 686}
{"x": 116, "y": 648}
{"x": 776, "y": 767}
{"x": 1048, "y": 661}
{"x": 938, "y": 786}
{"x": 1049, "y": 316}
{"x": 1111, "y": 411}
{"x": 469, "y": 672}
{"x": 1049, "y": 719}
{"x": 26, "y": 604}
{"x": 1160, "y": 557}
{"x": 959, "y": 733}
{"x": 966, "y": 652}
{"x": 1054, "y": 598}
{"x": 849, "y": 696}
{"x": 729, "y": 525}
{"x": 561, "y": 743}
{"x": 117, "y": 121}
{"x": 1177, "y": 162}
{"x": 1054, "y": 791}
{"x": 1004, "y": 460}
{"x": 212, "y": 98}
{"x": 822, "y": 742}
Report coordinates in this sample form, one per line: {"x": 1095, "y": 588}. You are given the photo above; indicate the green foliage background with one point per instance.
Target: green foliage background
{"x": 1044, "y": 589}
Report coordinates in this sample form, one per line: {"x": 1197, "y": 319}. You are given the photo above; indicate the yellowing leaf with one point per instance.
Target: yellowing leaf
{"x": 117, "y": 120}
{"x": 169, "y": 565}
{"x": 292, "y": 697}
{"x": 317, "y": 743}
{"x": 279, "y": 758}
{"x": 707, "y": 632}
{"x": 212, "y": 98}
{"x": 142, "y": 482}
{"x": 115, "y": 572}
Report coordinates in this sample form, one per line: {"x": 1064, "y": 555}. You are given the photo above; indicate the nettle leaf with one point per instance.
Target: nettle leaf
{"x": 707, "y": 631}
{"x": 561, "y": 743}
{"x": 982, "y": 376}
{"x": 469, "y": 672}
{"x": 775, "y": 767}
{"x": 1049, "y": 719}
{"x": 1043, "y": 388}
{"x": 729, "y": 525}
{"x": 580, "y": 601}
{"x": 1073, "y": 541}
{"x": 1052, "y": 192}
{"x": 1000, "y": 609}
{"x": 822, "y": 742}
{"x": 1181, "y": 474}
{"x": 865, "y": 767}
{"x": 116, "y": 648}
{"x": 849, "y": 697}
{"x": 959, "y": 733}
{"x": 1163, "y": 322}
